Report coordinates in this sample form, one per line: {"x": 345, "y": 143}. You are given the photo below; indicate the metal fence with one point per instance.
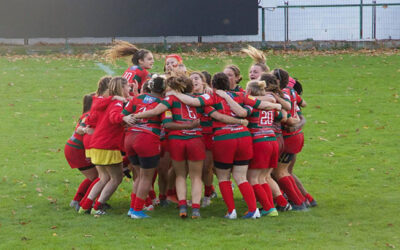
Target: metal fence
{"x": 350, "y": 22}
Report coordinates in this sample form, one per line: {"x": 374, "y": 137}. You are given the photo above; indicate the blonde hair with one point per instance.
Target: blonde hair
{"x": 124, "y": 49}
{"x": 116, "y": 86}
{"x": 256, "y": 88}
{"x": 258, "y": 57}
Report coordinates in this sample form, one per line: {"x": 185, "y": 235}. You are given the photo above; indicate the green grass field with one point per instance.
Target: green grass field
{"x": 350, "y": 162}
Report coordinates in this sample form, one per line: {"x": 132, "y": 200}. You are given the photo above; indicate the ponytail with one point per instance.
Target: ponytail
{"x": 124, "y": 49}
{"x": 258, "y": 57}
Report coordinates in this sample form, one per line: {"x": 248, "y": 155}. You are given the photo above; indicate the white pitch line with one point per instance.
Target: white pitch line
{"x": 105, "y": 68}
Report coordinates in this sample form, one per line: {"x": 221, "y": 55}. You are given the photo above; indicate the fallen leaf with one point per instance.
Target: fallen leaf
{"x": 24, "y": 238}
{"x": 39, "y": 190}
{"x": 390, "y": 245}
{"x": 372, "y": 169}
{"x": 366, "y": 127}
{"x": 54, "y": 234}
{"x": 317, "y": 107}
{"x": 29, "y": 206}
{"x": 88, "y": 235}
{"x": 390, "y": 225}
{"x": 13, "y": 212}
{"x": 48, "y": 171}
{"x": 341, "y": 135}
{"x": 322, "y": 139}
{"x": 53, "y": 227}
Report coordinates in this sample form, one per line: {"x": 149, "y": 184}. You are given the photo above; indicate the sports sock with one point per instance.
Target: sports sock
{"x": 268, "y": 192}
{"x": 83, "y": 187}
{"x": 248, "y": 196}
{"x": 152, "y": 194}
{"x": 298, "y": 192}
{"x": 88, "y": 190}
{"x": 148, "y": 201}
{"x": 195, "y": 205}
{"x": 86, "y": 203}
{"x": 227, "y": 194}
{"x": 286, "y": 185}
{"x": 97, "y": 205}
{"x": 162, "y": 197}
{"x": 139, "y": 203}
{"x": 261, "y": 196}
{"x": 281, "y": 201}
{"x": 208, "y": 190}
{"x": 182, "y": 203}
{"x": 309, "y": 197}
{"x": 133, "y": 199}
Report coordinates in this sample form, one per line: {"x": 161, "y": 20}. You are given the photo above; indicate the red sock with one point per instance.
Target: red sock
{"x": 83, "y": 187}
{"x": 139, "y": 203}
{"x": 299, "y": 194}
{"x": 170, "y": 192}
{"x": 162, "y": 197}
{"x": 174, "y": 191}
{"x": 195, "y": 205}
{"x": 152, "y": 194}
{"x": 261, "y": 196}
{"x": 268, "y": 192}
{"x": 309, "y": 197}
{"x": 182, "y": 203}
{"x": 208, "y": 190}
{"x": 86, "y": 203}
{"x": 133, "y": 199}
{"x": 88, "y": 190}
{"x": 248, "y": 196}
{"x": 281, "y": 201}
{"x": 227, "y": 194}
{"x": 148, "y": 201}
{"x": 287, "y": 187}
{"x": 97, "y": 205}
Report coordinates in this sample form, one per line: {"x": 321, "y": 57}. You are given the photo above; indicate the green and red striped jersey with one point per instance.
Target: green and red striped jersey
{"x": 294, "y": 100}
{"x": 205, "y": 120}
{"x": 261, "y": 124}
{"x": 140, "y": 104}
{"x": 214, "y": 103}
{"x": 180, "y": 113}
{"x": 76, "y": 140}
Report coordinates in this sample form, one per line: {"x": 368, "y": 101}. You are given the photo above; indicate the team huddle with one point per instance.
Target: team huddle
{"x": 166, "y": 127}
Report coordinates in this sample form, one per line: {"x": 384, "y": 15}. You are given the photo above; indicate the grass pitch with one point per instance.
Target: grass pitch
{"x": 350, "y": 162}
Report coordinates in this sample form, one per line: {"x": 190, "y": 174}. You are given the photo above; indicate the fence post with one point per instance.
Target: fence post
{"x": 263, "y": 24}
{"x": 374, "y": 20}
{"x": 286, "y": 16}
{"x": 361, "y": 19}
{"x": 165, "y": 44}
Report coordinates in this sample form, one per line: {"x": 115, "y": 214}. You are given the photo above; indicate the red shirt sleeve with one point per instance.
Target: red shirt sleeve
{"x": 115, "y": 114}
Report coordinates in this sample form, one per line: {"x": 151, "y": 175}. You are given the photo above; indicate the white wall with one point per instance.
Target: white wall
{"x": 304, "y": 23}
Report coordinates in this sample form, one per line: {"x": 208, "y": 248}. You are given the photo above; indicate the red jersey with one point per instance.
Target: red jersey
{"x": 109, "y": 132}
{"x": 76, "y": 140}
{"x": 180, "y": 113}
{"x": 138, "y": 74}
{"x": 99, "y": 106}
{"x": 140, "y": 104}
{"x": 294, "y": 100}
{"x": 205, "y": 120}
{"x": 221, "y": 130}
{"x": 261, "y": 124}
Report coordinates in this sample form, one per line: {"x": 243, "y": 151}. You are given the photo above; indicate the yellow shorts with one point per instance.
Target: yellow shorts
{"x": 87, "y": 153}
{"x": 105, "y": 156}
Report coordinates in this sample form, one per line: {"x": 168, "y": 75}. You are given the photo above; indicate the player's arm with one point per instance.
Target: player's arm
{"x": 228, "y": 119}
{"x": 235, "y": 107}
{"x": 159, "y": 109}
{"x": 285, "y": 103}
{"x": 186, "y": 99}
